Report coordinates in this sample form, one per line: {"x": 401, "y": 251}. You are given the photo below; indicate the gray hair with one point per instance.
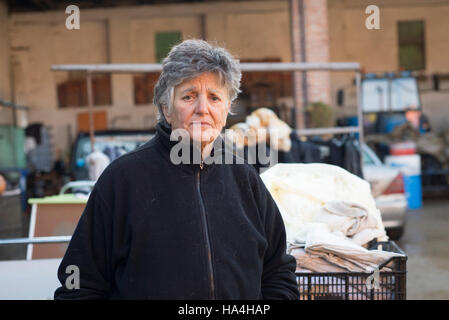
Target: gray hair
{"x": 188, "y": 60}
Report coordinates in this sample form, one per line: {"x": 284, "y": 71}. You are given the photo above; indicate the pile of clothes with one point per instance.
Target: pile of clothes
{"x": 330, "y": 217}
{"x": 38, "y": 148}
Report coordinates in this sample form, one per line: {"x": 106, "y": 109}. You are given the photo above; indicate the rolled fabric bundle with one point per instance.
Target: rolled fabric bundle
{"x": 242, "y": 134}
{"x": 253, "y": 122}
{"x": 278, "y": 131}
{"x": 313, "y": 263}
{"x": 265, "y": 115}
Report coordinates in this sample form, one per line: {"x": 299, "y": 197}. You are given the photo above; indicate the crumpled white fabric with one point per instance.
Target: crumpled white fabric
{"x": 329, "y": 212}
{"x": 307, "y": 194}
{"x": 309, "y": 263}
{"x": 341, "y": 251}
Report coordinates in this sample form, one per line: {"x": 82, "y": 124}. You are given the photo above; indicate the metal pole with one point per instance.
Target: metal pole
{"x": 389, "y": 94}
{"x": 293, "y": 4}
{"x": 322, "y": 131}
{"x": 53, "y": 239}
{"x": 14, "y": 108}
{"x": 90, "y": 105}
{"x": 246, "y": 66}
{"x": 358, "y": 79}
{"x": 305, "y": 86}
{"x": 298, "y": 55}
{"x": 8, "y": 104}
{"x": 31, "y": 230}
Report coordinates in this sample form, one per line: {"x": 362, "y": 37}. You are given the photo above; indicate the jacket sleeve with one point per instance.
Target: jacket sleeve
{"x": 278, "y": 278}
{"x": 89, "y": 251}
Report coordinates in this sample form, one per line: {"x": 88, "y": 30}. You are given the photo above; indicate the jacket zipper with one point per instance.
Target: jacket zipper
{"x": 206, "y": 232}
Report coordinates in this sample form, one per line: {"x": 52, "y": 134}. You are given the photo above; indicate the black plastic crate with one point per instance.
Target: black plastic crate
{"x": 353, "y": 285}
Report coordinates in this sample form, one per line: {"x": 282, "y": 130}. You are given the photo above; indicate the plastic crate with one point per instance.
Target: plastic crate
{"x": 353, "y": 285}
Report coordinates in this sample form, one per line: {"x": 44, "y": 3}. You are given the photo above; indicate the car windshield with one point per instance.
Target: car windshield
{"x": 404, "y": 94}
{"x": 112, "y": 146}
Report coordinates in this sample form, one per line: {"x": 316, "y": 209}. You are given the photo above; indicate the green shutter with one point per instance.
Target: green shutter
{"x": 411, "y": 45}
{"x": 164, "y": 42}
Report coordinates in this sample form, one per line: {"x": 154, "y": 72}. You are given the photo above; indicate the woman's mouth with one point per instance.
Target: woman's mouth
{"x": 201, "y": 123}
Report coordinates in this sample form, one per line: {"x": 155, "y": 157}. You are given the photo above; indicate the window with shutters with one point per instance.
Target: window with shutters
{"x": 144, "y": 84}
{"x": 143, "y": 87}
{"x": 73, "y": 92}
{"x": 411, "y": 45}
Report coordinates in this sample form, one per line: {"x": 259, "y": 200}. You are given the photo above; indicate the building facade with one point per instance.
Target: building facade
{"x": 382, "y": 50}
{"x": 334, "y": 30}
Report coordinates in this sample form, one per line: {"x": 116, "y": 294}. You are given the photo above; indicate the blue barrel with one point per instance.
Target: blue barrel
{"x": 413, "y": 190}
{"x": 410, "y": 167}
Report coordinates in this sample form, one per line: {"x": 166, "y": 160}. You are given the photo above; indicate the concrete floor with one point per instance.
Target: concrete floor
{"x": 426, "y": 243}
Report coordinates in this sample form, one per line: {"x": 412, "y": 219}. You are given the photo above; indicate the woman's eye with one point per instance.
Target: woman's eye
{"x": 215, "y": 98}
{"x": 186, "y": 98}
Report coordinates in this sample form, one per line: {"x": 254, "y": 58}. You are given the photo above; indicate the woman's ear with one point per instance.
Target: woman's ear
{"x": 167, "y": 115}
{"x": 228, "y": 109}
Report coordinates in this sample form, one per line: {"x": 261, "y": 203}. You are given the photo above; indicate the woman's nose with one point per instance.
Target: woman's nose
{"x": 202, "y": 104}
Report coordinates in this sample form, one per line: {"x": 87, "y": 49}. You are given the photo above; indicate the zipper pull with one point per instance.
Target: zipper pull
{"x": 201, "y": 165}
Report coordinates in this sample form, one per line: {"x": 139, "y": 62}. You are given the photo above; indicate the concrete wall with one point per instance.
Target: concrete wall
{"x": 31, "y": 42}
{"x": 251, "y": 30}
{"x": 377, "y": 50}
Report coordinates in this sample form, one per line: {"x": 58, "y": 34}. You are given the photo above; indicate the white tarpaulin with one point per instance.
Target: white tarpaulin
{"x": 328, "y": 211}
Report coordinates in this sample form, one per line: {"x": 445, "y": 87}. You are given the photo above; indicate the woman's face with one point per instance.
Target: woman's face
{"x": 200, "y": 106}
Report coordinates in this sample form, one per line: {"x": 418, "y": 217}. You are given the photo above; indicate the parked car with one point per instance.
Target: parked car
{"x": 114, "y": 143}
{"x": 387, "y": 187}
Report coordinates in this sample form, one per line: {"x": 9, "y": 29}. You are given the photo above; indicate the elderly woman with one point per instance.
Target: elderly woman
{"x": 153, "y": 229}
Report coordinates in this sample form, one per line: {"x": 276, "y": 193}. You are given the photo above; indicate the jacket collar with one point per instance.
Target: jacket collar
{"x": 163, "y": 134}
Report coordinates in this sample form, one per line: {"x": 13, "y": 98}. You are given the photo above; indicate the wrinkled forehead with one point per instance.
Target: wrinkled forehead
{"x": 215, "y": 82}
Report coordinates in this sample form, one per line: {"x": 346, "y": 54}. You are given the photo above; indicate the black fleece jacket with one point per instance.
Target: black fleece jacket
{"x": 155, "y": 230}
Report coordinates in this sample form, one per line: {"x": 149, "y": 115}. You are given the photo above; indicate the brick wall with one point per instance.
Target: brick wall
{"x": 5, "y": 89}
{"x": 316, "y": 42}
{"x": 317, "y": 48}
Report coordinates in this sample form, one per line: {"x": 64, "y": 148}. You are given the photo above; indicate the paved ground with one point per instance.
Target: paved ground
{"x": 426, "y": 243}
